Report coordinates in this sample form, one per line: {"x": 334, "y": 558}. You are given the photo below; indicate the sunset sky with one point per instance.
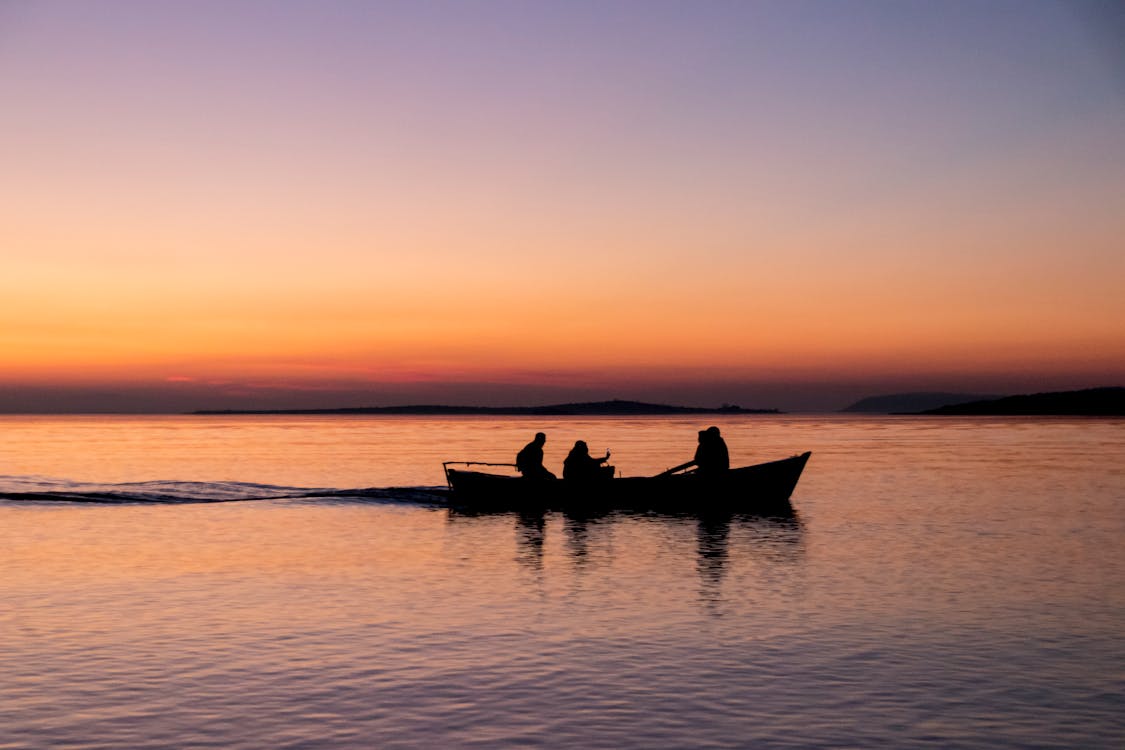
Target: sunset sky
{"x": 778, "y": 204}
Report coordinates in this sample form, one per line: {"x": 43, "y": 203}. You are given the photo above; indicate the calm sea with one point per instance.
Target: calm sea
{"x": 944, "y": 583}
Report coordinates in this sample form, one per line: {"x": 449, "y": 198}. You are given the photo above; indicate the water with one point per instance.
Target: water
{"x": 944, "y": 583}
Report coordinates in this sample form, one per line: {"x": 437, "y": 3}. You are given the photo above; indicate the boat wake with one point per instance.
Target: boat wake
{"x": 23, "y": 489}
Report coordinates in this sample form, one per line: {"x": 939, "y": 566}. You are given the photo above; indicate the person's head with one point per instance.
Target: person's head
{"x": 702, "y": 435}
{"x": 540, "y": 438}
{"x": 581, "y": 448}
{"x": 713, "y": 431}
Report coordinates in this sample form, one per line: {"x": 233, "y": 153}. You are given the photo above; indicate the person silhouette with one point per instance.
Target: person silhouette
{"x": 711, "y": 457}
{"x": 581, "y": 466}
{"x": 529, "y": 461}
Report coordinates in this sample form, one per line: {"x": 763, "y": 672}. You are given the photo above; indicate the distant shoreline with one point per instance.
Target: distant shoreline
{"x": 598, "y": 408}
{"x": 1091, "y": 402}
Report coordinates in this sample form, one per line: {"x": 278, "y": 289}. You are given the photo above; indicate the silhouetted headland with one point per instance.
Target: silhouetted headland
{"x": 594, "y": 408}
{"x": 1091, "y": 402}
{"x": 912, "y": 403}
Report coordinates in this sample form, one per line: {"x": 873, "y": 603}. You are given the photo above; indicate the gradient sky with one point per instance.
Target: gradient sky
{"x": 779, "y": 204}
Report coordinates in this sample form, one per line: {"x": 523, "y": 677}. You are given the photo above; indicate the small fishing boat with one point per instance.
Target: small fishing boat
{"x": 747, "y": 489}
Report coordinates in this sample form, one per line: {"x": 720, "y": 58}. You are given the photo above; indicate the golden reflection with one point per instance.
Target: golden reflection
{"x": 770, "y": 546}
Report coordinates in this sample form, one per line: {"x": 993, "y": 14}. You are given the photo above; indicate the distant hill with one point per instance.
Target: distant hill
{"x": 912, "y": 403}
{"x": 1092, "y": 402}
{"x": 594, "y": 408}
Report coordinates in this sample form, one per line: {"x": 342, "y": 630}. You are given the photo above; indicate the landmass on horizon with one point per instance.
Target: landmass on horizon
{"x": 1099, "y": 402}
{"x": 913, "y": 403}
{"x": 1090, "y": 402}
{"x": 616, "y": 407}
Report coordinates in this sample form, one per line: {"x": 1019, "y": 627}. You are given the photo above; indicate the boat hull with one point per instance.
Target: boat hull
{"x": 748, "y": 489}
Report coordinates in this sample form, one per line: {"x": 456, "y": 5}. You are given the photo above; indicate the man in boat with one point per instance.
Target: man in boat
{"x": 529, "y": 461}
{"x": 581, "y": 466}
{"x": 711, "y": 457}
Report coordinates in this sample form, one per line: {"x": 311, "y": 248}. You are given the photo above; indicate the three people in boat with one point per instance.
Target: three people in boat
{"x": 711, "y": 459}
{"x": 581, "y": 466}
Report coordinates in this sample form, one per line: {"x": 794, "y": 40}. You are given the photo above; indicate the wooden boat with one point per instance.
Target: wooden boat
{"x": 747, "y": 489}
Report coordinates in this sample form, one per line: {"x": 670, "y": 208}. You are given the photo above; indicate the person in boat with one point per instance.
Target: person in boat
{"x": 529, "y": 461}
{"x": 581, "y": 466}
{"x": 711, "y": 457}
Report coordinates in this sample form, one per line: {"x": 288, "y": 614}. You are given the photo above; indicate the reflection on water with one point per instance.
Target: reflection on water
{"x": 577, "y": 528}
{"x": 773, "y": 542}
{"x": 531, "y": 528}
{"x": 714, "y": 533}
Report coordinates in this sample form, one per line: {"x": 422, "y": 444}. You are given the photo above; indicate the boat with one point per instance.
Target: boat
{"x": 758, "y": 488}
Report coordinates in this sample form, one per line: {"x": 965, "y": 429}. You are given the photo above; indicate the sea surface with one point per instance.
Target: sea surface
{"x": 296, "y": 582}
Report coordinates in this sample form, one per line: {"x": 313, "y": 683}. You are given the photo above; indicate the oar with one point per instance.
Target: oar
{"x": 674, "y": 469}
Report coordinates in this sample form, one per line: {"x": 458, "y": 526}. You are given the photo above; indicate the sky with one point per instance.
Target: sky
{"x": 792, "y": 204}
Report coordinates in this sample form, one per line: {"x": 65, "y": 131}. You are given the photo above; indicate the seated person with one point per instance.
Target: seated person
{"x": 529, "y": 461}
{"x": 580, "y": 465}
{"x": 711, "y": 457}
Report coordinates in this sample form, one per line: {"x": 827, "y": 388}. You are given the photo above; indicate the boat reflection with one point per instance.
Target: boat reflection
{"x": 531, "y": 532}
{"x": 766, "y": 546}
{"x": 713, "y": 553}
{"x": 577, "y": 529}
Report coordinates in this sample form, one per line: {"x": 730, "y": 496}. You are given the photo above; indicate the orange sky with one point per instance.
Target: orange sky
{"x": 555, "y": 201}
